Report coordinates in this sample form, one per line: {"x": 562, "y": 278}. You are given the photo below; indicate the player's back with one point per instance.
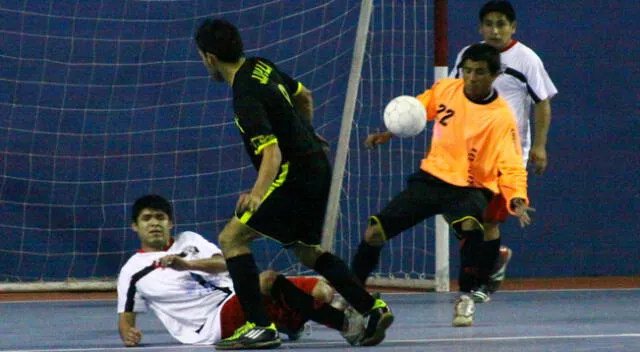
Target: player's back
{"x": 264, "y": 109}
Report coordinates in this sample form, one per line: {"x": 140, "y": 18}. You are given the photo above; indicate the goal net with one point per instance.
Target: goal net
{"x": 107, "y": 101}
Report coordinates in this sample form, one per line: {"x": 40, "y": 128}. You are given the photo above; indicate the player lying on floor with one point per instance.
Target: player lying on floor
{"x": 184, "y": 281}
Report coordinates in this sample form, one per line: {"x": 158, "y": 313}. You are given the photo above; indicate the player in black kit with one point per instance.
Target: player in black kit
{"x": 288, "y": 200}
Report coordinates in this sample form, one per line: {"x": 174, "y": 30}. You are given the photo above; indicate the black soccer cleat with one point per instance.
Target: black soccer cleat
{"x": 377, "y": 321}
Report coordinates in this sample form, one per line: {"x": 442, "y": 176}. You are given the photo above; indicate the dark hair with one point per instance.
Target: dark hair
{"x": 151, "y": 201}
{"x": 501, "y": 6}
{"x": 483, "y": 52}
{"x": 221, "y": 38}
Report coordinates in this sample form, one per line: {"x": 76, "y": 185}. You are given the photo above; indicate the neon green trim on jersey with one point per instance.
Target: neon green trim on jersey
{"x": 261, "y": 142}
{"x": 237, "y": 121}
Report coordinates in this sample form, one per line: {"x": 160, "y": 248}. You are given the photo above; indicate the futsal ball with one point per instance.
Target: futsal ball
{"x": 405, "y": 116}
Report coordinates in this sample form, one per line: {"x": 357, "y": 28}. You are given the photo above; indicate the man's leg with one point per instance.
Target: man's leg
{"x": 294, "y": 304}
{"x": 421, "y": 199}
{"x": 469, "y": 231}
{"x": 378, "y": 316}
{"x": 259, "y": 331}
{"x": 495, "y": 214}
{"x": 367, "y": 256}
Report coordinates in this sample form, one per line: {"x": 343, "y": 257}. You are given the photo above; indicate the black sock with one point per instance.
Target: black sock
{"x": 337, "y": 273}
{"x": 365, "y": 260}
{"x": 487, "y": 254}
{"x": 246, "y": 283}
{"x": 467, "y": 277}
{"x": 290, "y": 295}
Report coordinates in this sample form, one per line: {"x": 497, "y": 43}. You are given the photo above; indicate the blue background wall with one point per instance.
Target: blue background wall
{"x": 587, "y": 202}
{"x": 101, "y": 104}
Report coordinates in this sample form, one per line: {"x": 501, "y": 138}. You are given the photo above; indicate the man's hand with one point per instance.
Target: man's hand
{"x": 521, "y": 208}
{"x": 377, "y": 138}
{"x": 132, "y": 337}
{"x": 538, "y": 158}
{"x": 248, "y": 202}
{"x": 175, "y": 262}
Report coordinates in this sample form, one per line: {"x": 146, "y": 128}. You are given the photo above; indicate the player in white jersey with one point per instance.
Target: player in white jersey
{"x": 183, "y": 279}
{"x": 524, "y": 82}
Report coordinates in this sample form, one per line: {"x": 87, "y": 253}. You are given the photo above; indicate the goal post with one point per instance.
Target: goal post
{"x": 104, "y": 104}
{"x": 440, "y": 18}
{"x": 397, "y": 48}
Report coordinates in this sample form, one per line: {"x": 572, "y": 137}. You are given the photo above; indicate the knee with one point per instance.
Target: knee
{"x": 227, "y": 240}
{"x": 468, "y": 229}
{"x": 233, "y": 236}
{"x": 374, "y": 235}
{"x": 470, "y": 224}
{"x": 267, "y": 278}
{"x": 491, "y": 231}
{"x": 323, "y": 292}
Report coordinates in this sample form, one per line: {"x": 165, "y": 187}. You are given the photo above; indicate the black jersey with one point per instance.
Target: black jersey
{"x": 265, "y": 114}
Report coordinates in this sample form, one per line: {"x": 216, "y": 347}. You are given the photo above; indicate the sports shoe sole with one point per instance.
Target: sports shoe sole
{"x": 462, "y": 322}
{"x": 257, "y": 346}
{"x": 384, "y": 323}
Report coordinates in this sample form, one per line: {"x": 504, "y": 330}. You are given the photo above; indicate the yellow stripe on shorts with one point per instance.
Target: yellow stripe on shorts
{"x": 282, "y": 176}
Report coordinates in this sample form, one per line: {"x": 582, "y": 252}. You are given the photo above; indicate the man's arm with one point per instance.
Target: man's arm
{"x": 538, "y": 152}
{"x": 127, "y": 328}
{"x": 512, "y": 179}
{"x": 303, "y": 101}
{"x": 215, "y": 264}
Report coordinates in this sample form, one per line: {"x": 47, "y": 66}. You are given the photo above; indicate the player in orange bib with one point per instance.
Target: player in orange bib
{"x": 475, "y": 153}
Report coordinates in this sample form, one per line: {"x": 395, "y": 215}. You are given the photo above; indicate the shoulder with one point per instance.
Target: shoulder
{"x": 242, "y": 80}
{"x": 502, "y": 110}
{"x": 187, "y": 236}
{"x": 462, "y": 51}
{"x": 521, "y": 55}
{"x": 447, "y": 86}
{"x": 134, "y": 264}
{"x": 445, "y": 83}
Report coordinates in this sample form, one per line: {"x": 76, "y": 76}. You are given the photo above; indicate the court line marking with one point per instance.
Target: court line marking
{"x": 325, "y": 343}
{"x": 385, "y": 293}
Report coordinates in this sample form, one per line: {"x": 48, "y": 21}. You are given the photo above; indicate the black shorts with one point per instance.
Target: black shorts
{"x": 426, "y": 196}
{"x": 294, "y": 208}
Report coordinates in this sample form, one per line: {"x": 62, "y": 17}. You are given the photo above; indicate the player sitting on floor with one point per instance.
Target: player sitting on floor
{"x": 183, "y": 279}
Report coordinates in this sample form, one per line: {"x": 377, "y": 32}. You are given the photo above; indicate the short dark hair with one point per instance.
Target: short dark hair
{"x": 501, "y": 6}
{"x": 483, "y": 52}
{"x": 151, "y": 201}
{"x": 221, "y": 38}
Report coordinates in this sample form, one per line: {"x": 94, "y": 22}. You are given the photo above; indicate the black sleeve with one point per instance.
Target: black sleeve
{"x": 253, "y": 122}
{"x": 291, "y": 84}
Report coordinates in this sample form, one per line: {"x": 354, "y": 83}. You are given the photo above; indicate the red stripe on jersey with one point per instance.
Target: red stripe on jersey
{"x": 513, "y": 42}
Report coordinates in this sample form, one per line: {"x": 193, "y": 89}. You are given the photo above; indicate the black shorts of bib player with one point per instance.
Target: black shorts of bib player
{"x": 273, "y": 113}
{"x": 424, "y": 197}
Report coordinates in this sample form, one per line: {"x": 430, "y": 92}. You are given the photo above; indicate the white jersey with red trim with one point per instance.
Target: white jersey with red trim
{"x": 187, "y": 302}
{"x": 524, "y": 81}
